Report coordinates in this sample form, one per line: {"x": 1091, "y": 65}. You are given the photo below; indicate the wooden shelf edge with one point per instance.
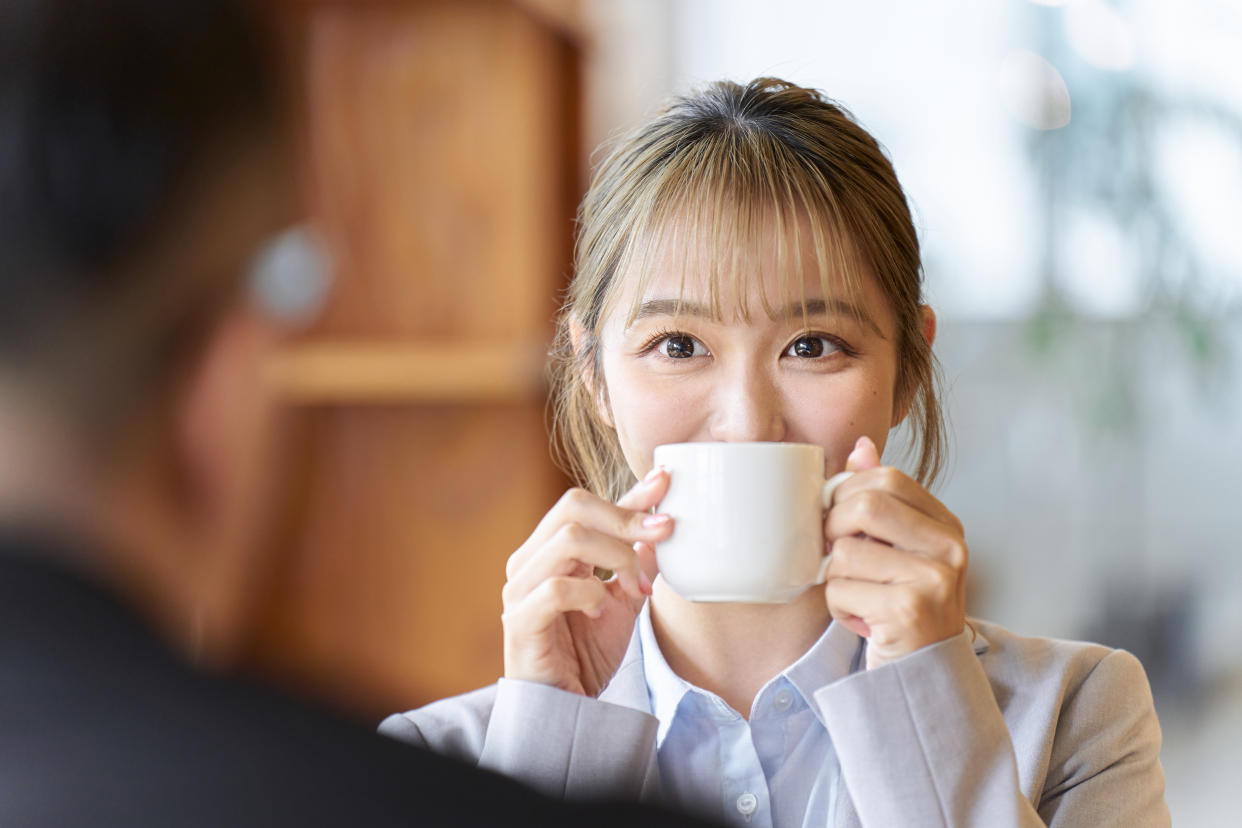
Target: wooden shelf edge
{"x": 346, "y": 372}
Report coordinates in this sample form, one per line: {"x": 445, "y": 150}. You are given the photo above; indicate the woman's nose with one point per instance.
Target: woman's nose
{"x": 747, "y": 408}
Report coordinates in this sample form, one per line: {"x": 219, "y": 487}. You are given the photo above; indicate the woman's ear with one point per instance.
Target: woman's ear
{"x": 928, "y": 317}
{"x": 927, "y": 324}
{"x": 578, "y": 338}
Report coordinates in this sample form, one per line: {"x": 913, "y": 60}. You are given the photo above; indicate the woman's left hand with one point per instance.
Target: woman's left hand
{"x": 898, "y": 571}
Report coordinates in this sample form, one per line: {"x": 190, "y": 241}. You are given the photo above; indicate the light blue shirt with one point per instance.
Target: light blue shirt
{"x": 779, "y": 769}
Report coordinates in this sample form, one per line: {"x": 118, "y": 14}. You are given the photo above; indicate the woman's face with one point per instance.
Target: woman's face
{"x": 676, "y": 375}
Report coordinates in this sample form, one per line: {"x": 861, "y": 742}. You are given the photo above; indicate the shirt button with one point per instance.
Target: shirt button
{"x": 747, "y": 803}
{"x": 783, "y": 700}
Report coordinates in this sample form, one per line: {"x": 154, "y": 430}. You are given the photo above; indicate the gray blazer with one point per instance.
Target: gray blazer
{"x": 987, "y": 728}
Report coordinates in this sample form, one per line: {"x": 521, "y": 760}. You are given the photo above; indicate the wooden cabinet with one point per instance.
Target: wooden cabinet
{"x": 441, "y": 156}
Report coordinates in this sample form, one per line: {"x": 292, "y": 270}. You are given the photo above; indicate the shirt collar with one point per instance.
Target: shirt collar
{"x": 665, "y": 687}
{"x": 836, "y": 654}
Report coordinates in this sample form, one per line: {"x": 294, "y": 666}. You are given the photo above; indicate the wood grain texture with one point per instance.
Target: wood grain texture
{"x": 389, "y": 372}
{"x": 393, "y": 596}
{"x": 442, "y": 162}
{"x": 438, "y": 158}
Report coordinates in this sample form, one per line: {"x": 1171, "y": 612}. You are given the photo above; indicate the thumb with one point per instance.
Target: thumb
{"x": 864, "y": 456}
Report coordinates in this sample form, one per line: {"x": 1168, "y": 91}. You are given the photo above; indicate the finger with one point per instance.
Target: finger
{"x": 627, "y": 520}
{"x": 883, "y": 517}
{"x": 576, "y": 551}
{"x": 915, "y": 615}
{"x": 854, "y": 624}
{"x": 648, "y": 569}
{"x": 863, "y": 559}
{"x": 644, "y": 553}
{"x": 900, "y": 485}
{"x": 645, "y": 495}
{"x": 864, "y": 600}
{"x": 582, "y": 507}
{"x": 647, "y": 560}
{"x": 552, "y": 599}
{"x": 647, "y": 492}
{"x": 864, "y": 455}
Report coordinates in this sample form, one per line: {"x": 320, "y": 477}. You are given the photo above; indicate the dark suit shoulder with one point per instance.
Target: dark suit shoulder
{"x": 104, "y": 726}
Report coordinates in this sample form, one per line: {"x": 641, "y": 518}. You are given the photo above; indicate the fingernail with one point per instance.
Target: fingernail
{"x": 655, "y": 521}
{"x": 650, "y": 477}
{"x": 858, "y": 447}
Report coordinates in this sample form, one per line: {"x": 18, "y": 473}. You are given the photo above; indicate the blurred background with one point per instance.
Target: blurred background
{"x": 1075, "y": 169}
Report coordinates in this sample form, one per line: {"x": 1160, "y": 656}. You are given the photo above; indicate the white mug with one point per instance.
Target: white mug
{"x": 748, "y": 520}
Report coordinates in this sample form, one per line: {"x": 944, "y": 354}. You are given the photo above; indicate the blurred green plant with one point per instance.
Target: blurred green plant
{"x": 1106, "y": 161}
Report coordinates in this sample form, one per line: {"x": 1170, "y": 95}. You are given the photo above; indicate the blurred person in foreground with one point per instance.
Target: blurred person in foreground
{"x": 142, "y": 162}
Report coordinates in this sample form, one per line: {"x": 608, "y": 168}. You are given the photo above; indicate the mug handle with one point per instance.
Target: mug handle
{"x": 826, "y": 493}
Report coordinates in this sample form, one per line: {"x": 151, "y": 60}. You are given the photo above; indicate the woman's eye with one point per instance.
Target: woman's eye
{"x": 811, "y": 347}
{"x": 680, "y": 346}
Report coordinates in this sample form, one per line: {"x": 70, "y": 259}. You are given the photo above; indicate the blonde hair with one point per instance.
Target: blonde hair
{"x": 715, "y": 170}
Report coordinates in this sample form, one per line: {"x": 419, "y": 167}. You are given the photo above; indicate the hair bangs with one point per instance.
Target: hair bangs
{"x": 748, "y": 219}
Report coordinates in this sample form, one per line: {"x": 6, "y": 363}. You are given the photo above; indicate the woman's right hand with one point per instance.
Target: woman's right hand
{"x": 564, "y": 626}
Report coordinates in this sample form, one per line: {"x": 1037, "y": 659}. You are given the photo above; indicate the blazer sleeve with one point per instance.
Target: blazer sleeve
{"x": 563, "y": 744}
{"x": 922, "y": 740}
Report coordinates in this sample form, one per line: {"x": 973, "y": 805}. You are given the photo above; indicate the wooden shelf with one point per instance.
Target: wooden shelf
{"x": 369, "y": 372}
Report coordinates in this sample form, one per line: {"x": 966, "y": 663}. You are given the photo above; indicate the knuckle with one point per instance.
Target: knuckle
{"x": 633, "y": 523}
{"x": 941, "y": 585}
{"x": 559, "y": 590}
{"x": 868, "y": 505}
{"x": 890, "y": 477}
{"x": 511, "y": 565}
{"x": 575, "y": 499}
{"x": 572, "y": 533}
{"x": 959, "y": 555}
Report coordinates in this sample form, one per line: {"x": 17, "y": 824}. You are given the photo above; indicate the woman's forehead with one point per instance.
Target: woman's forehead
{"x": 776, "y": 274}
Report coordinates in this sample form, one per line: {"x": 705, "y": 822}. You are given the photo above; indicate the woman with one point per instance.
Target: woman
{"x": 747, "y": 270}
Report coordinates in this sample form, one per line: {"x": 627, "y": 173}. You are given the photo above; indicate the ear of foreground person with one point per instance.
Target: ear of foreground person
{"x": 143, "y": 161}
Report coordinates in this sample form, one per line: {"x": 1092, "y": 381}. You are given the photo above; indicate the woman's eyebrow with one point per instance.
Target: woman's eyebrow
{"x": 812, "y": 307}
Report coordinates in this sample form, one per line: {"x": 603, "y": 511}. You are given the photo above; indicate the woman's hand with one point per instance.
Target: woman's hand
{"x": 563, "y": 626}
{"x": 898, "y": 571}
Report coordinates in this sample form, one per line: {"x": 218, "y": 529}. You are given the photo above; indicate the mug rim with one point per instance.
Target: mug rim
{"x": 724, "y": 445}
